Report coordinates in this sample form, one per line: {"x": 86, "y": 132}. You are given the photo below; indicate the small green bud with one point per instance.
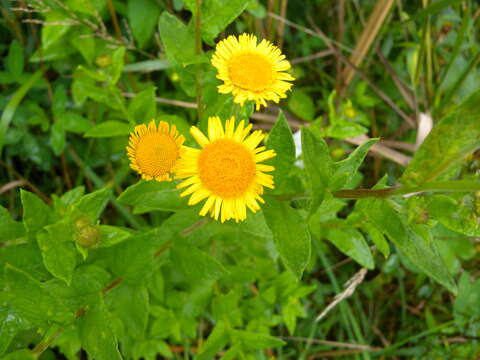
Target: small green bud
{"x": 87, "y": 234}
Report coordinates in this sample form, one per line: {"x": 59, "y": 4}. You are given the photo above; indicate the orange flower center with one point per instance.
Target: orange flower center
{"x": 226, "y": 168}
{"x": 251, "y": 71}
{"x": 156, "y": 153}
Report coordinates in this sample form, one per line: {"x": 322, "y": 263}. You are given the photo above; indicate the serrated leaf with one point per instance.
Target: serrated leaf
{"x": 154, "y": 195}
{"x": 414, "y": 241}
{"x": 94, "y": 203}
{"x": 9, "y": 228}
{"x": 36, "y": 214}
{"x": 96, "y": 334}
{"x": 198, "y": 264}
{"x": 290, "y": 233}
{"x": 345, "y": 170}
{"x": 352, "y": 243}
{"x": 30, "y": 300}
{"x": 451, "y": 139}
{"x": 58, "y": 250}
{"x": 142, "y": 17}
{"x": 280, "y": 139}
{"x": 109, "y": 128}
{"x": 178, "y": 39}
{"x": 130, "y": 303}
{"x": 318, "y": 164}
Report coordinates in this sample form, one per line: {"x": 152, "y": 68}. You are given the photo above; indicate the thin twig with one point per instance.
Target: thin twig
{"x": 333, "y": 343}
{"x": 350, "y": 285}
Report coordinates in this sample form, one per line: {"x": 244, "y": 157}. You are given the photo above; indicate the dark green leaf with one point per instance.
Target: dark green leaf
{"x": 216, "y": 341}
{"x": 301, "y": 104}
{"x": 142, "y": 17}
{"x": 177, "y": 38}
{"x": 414, "y": 241}
{"x": 110, "y": 128}
{"x": 96, "y": 334}
{"x": 290, "y": 233}
{"x": 345, "y": 170}
{"x": 94, "y": 203}
{"x": 36, "y": 214}
{"x": 154, "y": 195}
{"x": 14, "y": 60}
{"x": 58, "y": 250}
{"x": 198, "y": 264}
{"x": 9, "y": 229}
{"x": 352, "y": 243}
{"x": 455, "y": 136}
{"x": 143, "y": 108}
{"x": 318, "y": 165}
{"x": 130, "y": 303}
{"x": 257, "y": 341}
{"x": 280, "y": 139}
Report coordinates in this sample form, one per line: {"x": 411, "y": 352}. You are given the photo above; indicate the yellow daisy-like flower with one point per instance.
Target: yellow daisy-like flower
{"x": 226, "y": 170}
{"x": 154, "y": 151}
{"x": 251, "y": 71}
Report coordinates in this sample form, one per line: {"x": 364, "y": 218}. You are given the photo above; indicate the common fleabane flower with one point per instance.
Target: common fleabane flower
{"x": 154, "y": 151}
{"x": 226, "y": 170}
{"x": 251, "y": 71}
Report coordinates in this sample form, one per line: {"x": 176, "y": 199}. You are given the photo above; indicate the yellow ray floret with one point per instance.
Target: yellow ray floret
{"x": 226, "y": 170}
{"x": 154, "y": 151}
{"x": 251, "y": 71}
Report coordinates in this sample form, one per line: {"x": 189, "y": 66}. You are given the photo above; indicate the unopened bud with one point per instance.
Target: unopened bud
{"x": 87, "y": 234}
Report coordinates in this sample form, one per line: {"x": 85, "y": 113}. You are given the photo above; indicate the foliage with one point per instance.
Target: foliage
{"x": 94, "y": 260}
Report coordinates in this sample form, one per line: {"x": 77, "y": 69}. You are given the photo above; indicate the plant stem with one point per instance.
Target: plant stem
{"x": 435, "y": 186}
{"x": 198, "y": 51}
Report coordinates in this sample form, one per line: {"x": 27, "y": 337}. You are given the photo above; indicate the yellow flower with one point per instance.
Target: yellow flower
{"x": 154, "y": 152}
{"x": 226, "y": 170}
{"x": 250, "y": 71}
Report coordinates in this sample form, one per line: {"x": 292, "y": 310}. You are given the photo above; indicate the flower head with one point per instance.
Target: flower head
{"x": 154, "y": 151}
{"x": 251, "y": 71}
{"x": 226, "y": 170}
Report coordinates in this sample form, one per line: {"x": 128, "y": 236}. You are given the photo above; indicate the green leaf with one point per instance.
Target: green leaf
{"x": 154, "y": 195}
{"x": 466, "y": 307}
{"x": 96, "y": 334}
{"x": 377, "y": 238}
{"x": 13, "y": 103}
{"x": 130, "y": 303}
{"x": 36, "y": 214}
{"x": 58, "y": 250}
{"x": 116, "y": 68}
{"x": 112, "y": 235}
{"x": 216, "y": 16}
{"x": 142, "y": 17}
{"x": 24, "y": 354}
{"x": 452, "y": 138}
{"x": 352, "y": 243}
{"x": 301, "y": 104}
{"x": 31, "y": 300}
{"x": 318, "y": 164}
{"x": 413, "y": 240}
{"x": 52, "y": 34}
{"x": 216, "y": 341}
{"x": 110, "y": 128}
{"x": 196, "y": 263}
{"x": 345, "y": 170}
{"x": 9, "y": 228}
{"x": 454, "y": 216}
{"x": 14, "y": 60}
{"x": 143, "y": 108}
{"x": 10, "y": 324}
{"x": 280, "y": 139}
{"x": 178, "y": 39}
{"x": 94, "y": 203}
{"x": 57, "y": 138}
{"x": 257, "y": 341}
{"x": 74, "y": 122}
{"x": 290, "y": 233}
